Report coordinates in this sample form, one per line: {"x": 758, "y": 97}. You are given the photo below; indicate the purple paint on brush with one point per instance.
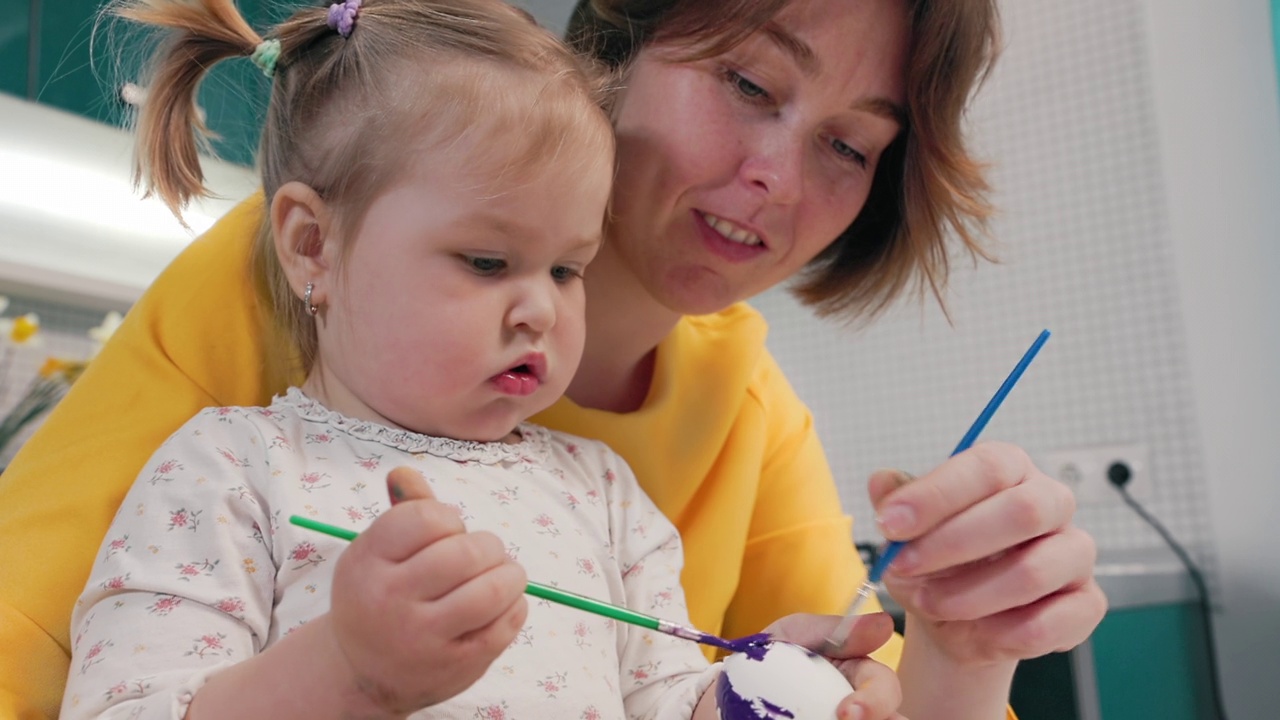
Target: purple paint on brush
{"x": 733, "y": 706}
{"x": 753, "y": 646}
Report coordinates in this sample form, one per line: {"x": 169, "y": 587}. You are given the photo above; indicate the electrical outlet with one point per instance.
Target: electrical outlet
{"x": 1084, "y": 470}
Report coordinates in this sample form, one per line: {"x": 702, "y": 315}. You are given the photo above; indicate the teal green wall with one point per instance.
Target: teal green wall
{"x": 1151, "y": 663}
{"x": 72, "y": 63}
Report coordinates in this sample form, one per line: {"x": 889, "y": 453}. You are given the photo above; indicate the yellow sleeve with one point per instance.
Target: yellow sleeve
{"x": 198, "y": 337}
{"x": 800, "y": 555}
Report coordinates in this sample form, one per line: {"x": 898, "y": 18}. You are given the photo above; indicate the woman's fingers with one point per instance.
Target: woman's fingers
{"x": 1032, "y": 508}
{"x": 919, "y": 506}
{"x": 1055, "y": 623}
{"x": 1032, "y": 571}
{"x": 868, "y": 633}
{"x": 876, "y": 691}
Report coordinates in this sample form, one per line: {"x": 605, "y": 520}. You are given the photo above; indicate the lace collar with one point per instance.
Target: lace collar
{"x": 534, "y": 445}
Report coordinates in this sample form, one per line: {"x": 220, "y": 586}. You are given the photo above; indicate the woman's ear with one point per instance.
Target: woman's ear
{"x": 301, "y": 226}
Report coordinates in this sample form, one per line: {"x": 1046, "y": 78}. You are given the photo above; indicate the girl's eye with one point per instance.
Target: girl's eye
{"x": 484, "y": 265}
{"x": 561, "y": 273}
{"x": 846, "y": 151}
{"x": 745, "y": 87}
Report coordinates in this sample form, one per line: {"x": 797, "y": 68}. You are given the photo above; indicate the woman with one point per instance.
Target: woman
{"x": 751, "y": 135}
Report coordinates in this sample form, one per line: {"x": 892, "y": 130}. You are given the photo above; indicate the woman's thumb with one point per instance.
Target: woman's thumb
{"x": 405, "y": 483}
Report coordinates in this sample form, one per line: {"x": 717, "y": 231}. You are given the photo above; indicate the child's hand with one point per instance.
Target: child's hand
{"x": 995, "y": 572}
{"x": 877, "y": 693}
{"x": 420, "y": 606}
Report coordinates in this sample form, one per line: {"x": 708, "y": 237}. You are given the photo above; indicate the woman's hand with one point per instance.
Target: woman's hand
{"x": 993, "y": 573}
{"x": 877, "y": 693}
{"x": 420, "y": 606}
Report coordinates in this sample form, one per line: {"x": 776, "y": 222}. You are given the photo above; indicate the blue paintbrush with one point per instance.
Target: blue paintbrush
{"x": 841, "y": 632}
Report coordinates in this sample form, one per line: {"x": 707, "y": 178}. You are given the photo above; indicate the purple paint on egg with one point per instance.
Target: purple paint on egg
{"x": 735, "y": 707}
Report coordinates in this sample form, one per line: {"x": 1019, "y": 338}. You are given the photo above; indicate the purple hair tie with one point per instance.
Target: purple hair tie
{"x": 342, "y": 16}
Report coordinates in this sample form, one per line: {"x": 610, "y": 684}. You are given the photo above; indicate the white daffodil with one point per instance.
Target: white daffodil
{"x": 101, "y": 334}
{"x": 23, "y": 331}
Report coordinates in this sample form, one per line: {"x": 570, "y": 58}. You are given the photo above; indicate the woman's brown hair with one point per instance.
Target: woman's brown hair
{"x": 927, "y": 187}
{"x": 345, "y": 110}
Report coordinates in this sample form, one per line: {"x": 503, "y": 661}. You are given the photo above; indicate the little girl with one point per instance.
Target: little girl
{"x": 438, "y": 173}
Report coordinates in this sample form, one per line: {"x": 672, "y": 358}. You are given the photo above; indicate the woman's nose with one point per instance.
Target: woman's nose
{"x": 776, "y": 169}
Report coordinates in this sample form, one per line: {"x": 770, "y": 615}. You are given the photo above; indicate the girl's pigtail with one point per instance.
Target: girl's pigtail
{"x": 170, "y": 131}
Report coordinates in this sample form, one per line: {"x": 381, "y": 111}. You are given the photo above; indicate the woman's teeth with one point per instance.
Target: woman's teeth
{"x": 731, "y": 231}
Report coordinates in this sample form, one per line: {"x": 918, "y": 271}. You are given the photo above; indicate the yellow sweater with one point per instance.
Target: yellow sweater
{"x": 722, "y": 444}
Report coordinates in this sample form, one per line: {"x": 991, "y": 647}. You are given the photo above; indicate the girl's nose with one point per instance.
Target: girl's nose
{"x": 534, "y": 307}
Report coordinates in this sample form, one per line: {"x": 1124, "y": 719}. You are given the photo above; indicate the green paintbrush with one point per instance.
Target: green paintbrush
{"x": 581, "y": 602}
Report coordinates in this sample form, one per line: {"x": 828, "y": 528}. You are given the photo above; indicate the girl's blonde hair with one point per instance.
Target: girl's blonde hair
{"x": 927, "y": 187}
{"x": 346, "y": 112}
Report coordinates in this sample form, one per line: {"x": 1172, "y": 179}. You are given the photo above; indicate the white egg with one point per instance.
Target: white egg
{"x": 788, "y": 682}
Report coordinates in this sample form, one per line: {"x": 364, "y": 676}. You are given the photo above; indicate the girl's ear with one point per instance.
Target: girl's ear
{"x": 302, "y": 228}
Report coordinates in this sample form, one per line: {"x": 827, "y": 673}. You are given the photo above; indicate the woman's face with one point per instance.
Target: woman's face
{"x": 736, "y": 171}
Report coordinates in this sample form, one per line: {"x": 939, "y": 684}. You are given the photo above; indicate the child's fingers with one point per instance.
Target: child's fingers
{"x": 437, "y": 570}
{"x": 405, "y": 483}
{"x": 403, "y": 531}
{"x": 483, "y": 599}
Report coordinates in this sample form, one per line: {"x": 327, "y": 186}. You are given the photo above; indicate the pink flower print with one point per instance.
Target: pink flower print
{"x": 369, "y": 463}
{"x": 593, "y": 497}
{"x": 513, "y": 551}
{"x": 504, "y": 496}
{"x": 574, "y": 451}
{"x": 207, "y": 645}
{"x": 547, "y": 525}
{"x": 235, "y": 460}
{"x": 223, "y": 413}
{"x": 640, "y": 529}
{"x": 94, "y": 656}
{"x": 354, "y": 514}
{"x": 231, "y": 606}
{"x": 196, "y": 568}
{"x": 265, "y": 412}
{"x": 591, "y": 713}
{"x": 587, "y": 566}
{"x": 492, "y": 712}
{"x": 184, "y": 518}
{"x": 637, "y": 569}
{"x": 580, "y": 633}
{"x": 552, "y": 684}
{"x": 643, "y": 672}
{"x": 281, "y": 442}
{"x": 662, "y": 598}
{"x": 320, "y": 438}
{"x": 117, "y": 582}
{"x": 118, "y": 689}
{"x": 164, "y": 470}
{"x": 118, "y": 545}
{"x": 164, "y": 605}
{"x": 610, "y": 477}
{"x": 306, "y": 554}
{"x": 571, "y": 499}
{"x": 310, "y": 481}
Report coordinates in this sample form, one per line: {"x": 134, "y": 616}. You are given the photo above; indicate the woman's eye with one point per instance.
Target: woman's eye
{"x": 562, "y": 273}
{"x": 484, "y": 265}
{"x": 745, "y": 87}
{"x": 847, "y": 152}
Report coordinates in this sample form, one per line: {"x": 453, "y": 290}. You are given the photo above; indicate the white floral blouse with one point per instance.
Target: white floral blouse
{"x": 201, "y": 567}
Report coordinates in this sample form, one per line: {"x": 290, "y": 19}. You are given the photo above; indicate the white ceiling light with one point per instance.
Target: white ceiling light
{"x": 71, "y": 226}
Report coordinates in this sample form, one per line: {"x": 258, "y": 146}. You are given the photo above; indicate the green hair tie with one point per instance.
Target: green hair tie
{"x": 266, "y": 55}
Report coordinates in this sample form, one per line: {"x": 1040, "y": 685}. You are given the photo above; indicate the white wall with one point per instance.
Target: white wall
{"x": 1219, "y": 120}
